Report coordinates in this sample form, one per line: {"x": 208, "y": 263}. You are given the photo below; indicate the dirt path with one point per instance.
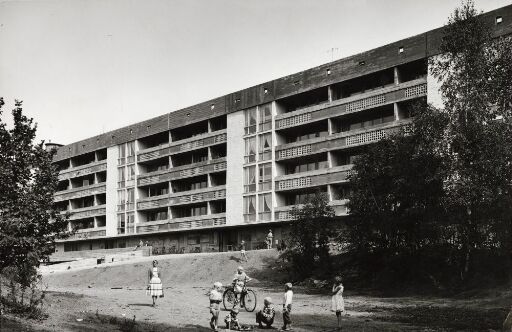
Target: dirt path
{"x": 107, "y": 298}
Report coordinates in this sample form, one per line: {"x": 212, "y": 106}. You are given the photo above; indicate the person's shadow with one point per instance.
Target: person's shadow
{"x": 140, "y": 304}
{"x": 236, "y": 259}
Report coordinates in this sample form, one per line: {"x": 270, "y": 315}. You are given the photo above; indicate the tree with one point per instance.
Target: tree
{"x": 439, "y": 196}
{"x": 311, "y": 230}
{"x": 476, "y": 76}
{"x": 29, "y": 220}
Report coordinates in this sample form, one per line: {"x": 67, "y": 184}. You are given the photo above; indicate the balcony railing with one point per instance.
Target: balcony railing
{"x": 338, "y": 141}
{"x": 203, "y": 167}
{"x": 282, "y": 213}
{"x": 83, "y": 234}
{"x": 87, "y": 169}
{"x": 188, "y": 144}
{"x": 387, "y": 95}
{"x": 87, "y": 212}
{"x": 200, "y": 195}
{"x": 183, "y": 223}
{"x": 80, "y": 192}
{"x": 312, "y": 178}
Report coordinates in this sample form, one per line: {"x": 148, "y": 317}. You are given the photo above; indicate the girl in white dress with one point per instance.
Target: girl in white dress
{"x": 338, "y": 305}
{"x": 155, "y": 288}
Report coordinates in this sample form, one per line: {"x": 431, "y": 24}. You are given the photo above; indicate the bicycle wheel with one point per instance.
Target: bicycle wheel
{"x": 228, "y": 299}
{"x": 249, "y": 300}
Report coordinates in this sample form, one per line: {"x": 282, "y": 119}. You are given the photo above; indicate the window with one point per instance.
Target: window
{"x": 130, "y": 223}
{"x": 250, "y": 208}
{"x": 130, "y": 203}
{"x": 122, "y": 154}
{"x": 198, "y": 211}
{"x": 121, "y": 200}
{"x": 265, "y": 148}
{"x": 306, "y": 167}
{"x": 250, "y": 179}
{"x": 250, "y": 121}
{"x": 499, "y": 19}
{"x": 265, "y": 176}
{"x": 265, "y": 113}
{"x": 130, "y": 151}
{"x": 157, "y": 215}
{"x": 250, "y": 149}
{"x": 198, "y": 185}
{"x": 265, "y": 206}
{"x": 121, "y": 224}
{"x": 130, "y": 170}
{"x": 401, "y": 49}
{"x": 121, "y": 174}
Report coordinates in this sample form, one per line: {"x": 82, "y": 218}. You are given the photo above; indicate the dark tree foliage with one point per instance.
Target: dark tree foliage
{"x": 311, "y": 230}
{"x": 29, "y": 221}
{"x": 434, "y": 203}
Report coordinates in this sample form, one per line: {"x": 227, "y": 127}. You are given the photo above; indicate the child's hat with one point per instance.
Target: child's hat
{"x": 240, "y": 268}
{"x": 288, "y": 285}
{"x": 217, "y": 284}
{"x": 267, "y": 300}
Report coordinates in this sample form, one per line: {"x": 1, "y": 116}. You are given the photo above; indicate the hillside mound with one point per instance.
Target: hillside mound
{"x": 187, "y": 269}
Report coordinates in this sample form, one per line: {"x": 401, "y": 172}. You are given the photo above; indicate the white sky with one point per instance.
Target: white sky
{"x": 84, "y": 67}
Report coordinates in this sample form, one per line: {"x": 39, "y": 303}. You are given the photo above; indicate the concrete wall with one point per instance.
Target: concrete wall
{"x": 234, "y": 173}
{"x": 111, "y": 191}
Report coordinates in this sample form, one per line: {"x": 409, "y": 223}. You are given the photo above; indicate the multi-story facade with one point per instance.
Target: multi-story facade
{"x": 207, "y": 176}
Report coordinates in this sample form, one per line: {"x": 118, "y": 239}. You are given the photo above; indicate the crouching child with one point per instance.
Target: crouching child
{"x": 267, "y": 314}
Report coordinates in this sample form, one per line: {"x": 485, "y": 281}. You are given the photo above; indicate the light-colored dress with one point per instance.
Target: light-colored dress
{"x": 337, "y": 299}
{"x": 155, "y": 284}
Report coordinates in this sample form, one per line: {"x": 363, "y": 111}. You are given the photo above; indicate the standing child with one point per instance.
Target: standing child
{"x": 338, "y": 305}
{"x": 215, "y": 299}
{"x": 243, "y": 254}
{"x": 287, "y": 307}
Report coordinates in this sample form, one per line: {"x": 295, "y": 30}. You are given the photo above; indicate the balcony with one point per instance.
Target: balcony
{"x": 282, "y": 213}
{"x": 197, "y": 196}
{"x": 177, "y": 224}
{"x": 408, "y": 90}
{"x": 91, "y": 233}
{"x": 153, "y": 202}
{"x": 312, "y": 178}
{"x": 93, "y": 189}
{"x": 337, "y": 141}
{"x": 87, "y": 212}
{"x": 189, "y": 144}
{"x": 91, "y": 168}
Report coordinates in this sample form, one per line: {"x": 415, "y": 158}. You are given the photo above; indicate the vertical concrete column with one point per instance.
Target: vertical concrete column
{"x": 330, "y": 157}
{"x": 208, "y": 208}
{"x": 209, "y": 153}
{"x": 396, "y": 75}
{"x": 396, "y": 111}
{"x": 330, "y": 92}
{"x": 209, "y": 126}
{"x": 330, "y": 126}
{"x": 209, "y": 180}
{"x": 330, "y": 192}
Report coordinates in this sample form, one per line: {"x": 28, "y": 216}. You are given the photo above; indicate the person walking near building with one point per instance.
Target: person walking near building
{"x": 243, "y": 254}
{"x": 270, "y": 239}
{"x": 266, "y": 314}
{"x": 287, "y": 307}
{"x": 155, "y": 288}
{"x": 338, "y": 304}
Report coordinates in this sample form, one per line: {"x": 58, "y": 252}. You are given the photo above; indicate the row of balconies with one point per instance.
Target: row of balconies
{"x": 395, "y": 93}
{"x": 182, "y": 223}
{"x": 182, "y": 198}
{"x": 189, "y": 144}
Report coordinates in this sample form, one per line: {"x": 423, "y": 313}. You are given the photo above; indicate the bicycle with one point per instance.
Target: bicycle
{"x": 247, "y": 299}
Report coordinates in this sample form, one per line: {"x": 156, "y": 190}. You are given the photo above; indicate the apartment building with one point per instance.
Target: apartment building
{"x": 205, "y": 177}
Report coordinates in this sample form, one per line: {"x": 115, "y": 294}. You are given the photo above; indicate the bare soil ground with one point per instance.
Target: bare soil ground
{"x": 113, "y": 298}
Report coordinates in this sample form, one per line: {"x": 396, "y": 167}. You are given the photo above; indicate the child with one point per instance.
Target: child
{"x": 243, "y": 254}
{"x": 338, "y": 305}
{"x": 215, "y": 299}
{"x": 287, "y": 307}
{"x": 266, "y": 315}
{"x": 231, "y": 319}
{"x": 239, "y": 281}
